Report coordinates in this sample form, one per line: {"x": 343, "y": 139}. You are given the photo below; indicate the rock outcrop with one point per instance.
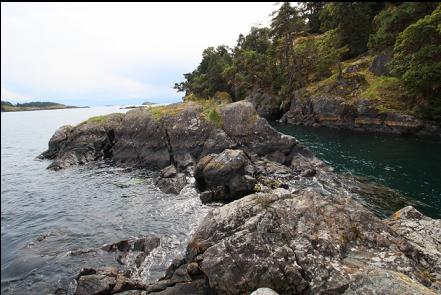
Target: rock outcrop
{"x": 299, "y": 242}
{"x": 268, "y": 106}
{"x": 333, "y": 111}
{"x": 175, "y": 142}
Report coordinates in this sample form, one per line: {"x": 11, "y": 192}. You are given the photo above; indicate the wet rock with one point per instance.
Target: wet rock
{"x": 169, "y": 181}
{"x": 107, "y": 280}
{"x": 145, "y": 244}
{"x": 95, "y": 284}
{"x": 227, "y": 176}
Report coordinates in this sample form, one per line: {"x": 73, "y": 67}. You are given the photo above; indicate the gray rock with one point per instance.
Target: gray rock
{"x": 89, "y": 141}
{"x": 253, "y": 133}
{"x": 268, "y": 106}
{"x": 302, "y": 242}
{"x": 56, "y": 142}
{"x": 171, "y": 182}
{"x": 424, "y": 233}
{"x": 228, "y": 176}
{"x": 141, "y": 141}
{"x": 379, "y": 281}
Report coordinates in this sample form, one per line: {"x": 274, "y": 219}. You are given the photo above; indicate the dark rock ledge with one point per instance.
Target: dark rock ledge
{"x": 290, "y": 224}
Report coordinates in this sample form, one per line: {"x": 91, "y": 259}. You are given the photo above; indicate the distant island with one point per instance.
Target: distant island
{"x": 148, "y": 103}
{"x": 7, "y": 106}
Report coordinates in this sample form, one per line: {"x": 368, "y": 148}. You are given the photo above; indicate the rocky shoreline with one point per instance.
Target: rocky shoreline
{"x": 289, "y": 223}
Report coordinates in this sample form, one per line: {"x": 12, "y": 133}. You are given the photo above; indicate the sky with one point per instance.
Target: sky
{"x": 113, "y": 53}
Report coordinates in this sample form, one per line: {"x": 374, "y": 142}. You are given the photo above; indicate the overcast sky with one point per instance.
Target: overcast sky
{"x": 112, "y": 53}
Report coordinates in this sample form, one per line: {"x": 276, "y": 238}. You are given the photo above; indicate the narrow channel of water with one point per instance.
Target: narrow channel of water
{"x": 410, "y": 165}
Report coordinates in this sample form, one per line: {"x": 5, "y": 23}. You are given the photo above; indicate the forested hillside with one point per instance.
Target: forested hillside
{"x": 386, "y": 55}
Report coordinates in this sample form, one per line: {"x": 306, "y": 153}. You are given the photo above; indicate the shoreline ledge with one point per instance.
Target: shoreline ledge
{"x": 289, "y": 222}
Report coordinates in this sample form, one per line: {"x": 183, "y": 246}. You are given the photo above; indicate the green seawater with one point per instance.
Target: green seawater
{"x": 410, "y": 165}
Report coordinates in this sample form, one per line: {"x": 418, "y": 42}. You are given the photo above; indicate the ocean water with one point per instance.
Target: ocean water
{"x": 410, "y": 165}
{"x": 46, "y": 214}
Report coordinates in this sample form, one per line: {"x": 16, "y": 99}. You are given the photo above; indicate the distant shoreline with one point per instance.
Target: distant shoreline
{"x": 7, "y": 106}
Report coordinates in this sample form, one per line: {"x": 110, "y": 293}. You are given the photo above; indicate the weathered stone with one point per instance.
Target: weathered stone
{"x": 141, "y": 141}
{"x": 424, "y": 233}
{"x": 229, "y": 175}
{"x": 380, "y": 281}
{"x": 268, "y": 106}
{"x": 299, "y": 242}
{"x": 89, "y": 141}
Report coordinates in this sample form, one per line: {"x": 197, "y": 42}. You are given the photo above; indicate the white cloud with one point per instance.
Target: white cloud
{"x": 89, "y": 50}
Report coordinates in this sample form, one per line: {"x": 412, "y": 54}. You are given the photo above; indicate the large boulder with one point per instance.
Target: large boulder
{"x": 225, "y": 177}
{"x": 253, "y": 133}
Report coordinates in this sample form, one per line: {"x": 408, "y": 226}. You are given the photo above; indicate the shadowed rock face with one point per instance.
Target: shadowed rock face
{"x": 268, "y": 106}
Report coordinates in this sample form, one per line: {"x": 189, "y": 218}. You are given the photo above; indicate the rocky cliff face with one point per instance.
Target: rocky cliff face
{"x": 290, "y": 223}
{"x": 330, "y": 110}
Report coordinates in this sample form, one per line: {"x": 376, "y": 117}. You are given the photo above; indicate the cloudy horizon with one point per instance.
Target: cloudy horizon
{"x": 112, "y": 53}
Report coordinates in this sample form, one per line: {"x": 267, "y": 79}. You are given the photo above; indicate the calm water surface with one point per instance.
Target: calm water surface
{"x": 410, "y": 165}
{"x": 46, "y": 214}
